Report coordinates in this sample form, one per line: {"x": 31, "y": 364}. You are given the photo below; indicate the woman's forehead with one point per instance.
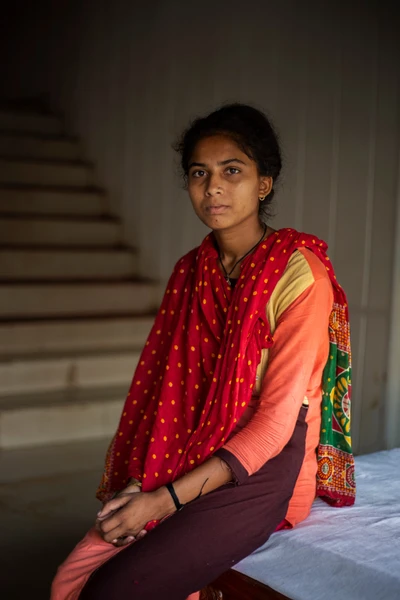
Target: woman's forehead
{"x": 216, "y": 149}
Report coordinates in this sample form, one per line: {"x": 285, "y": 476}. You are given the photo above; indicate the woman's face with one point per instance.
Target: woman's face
{"x": 224, "y": 184}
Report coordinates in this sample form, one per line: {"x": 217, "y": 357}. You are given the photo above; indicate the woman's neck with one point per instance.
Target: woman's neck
{"x": 233, "y": 244}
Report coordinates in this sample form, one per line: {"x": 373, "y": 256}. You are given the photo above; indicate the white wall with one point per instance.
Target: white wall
{"x": 129, "y": 76}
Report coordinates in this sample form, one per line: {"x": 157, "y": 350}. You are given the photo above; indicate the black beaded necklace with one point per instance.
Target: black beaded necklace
{"x": 227, "y": 275}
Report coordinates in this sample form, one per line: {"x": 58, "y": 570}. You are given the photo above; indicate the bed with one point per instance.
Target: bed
{"x": 347, "y": 553}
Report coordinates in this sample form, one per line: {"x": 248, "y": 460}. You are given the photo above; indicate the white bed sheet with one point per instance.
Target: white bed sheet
{"x": 341, "y": 553}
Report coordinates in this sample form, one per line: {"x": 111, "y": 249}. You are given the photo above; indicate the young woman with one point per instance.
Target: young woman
{"x": 245, "y": 374}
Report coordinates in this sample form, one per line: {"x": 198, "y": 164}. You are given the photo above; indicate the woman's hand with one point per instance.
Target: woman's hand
{"x": 126, "y": 515}
{"x": 122, "y": 520}
{"x": 108, "y": 510}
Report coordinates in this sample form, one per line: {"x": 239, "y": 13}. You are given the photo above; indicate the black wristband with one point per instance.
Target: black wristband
{"x": 171, "y": 490}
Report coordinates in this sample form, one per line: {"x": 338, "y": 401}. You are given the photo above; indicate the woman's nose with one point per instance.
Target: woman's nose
{"x": 213, "y": 185}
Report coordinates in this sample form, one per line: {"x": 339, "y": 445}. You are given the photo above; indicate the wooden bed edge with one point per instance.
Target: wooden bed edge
{"x": 233, "y": 585}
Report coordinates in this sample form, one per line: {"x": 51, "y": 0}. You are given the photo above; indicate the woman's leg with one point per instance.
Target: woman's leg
{"x": 196, "y": 545}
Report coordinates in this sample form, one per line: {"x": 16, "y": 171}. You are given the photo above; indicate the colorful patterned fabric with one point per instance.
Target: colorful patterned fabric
{"x": 336, "y": 479}
{"x": 196, "y": 373}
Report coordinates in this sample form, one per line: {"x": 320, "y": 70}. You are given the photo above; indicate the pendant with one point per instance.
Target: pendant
{"x": 228, "y": 280}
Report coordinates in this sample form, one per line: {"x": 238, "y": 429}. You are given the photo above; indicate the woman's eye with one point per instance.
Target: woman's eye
{"x": 233, "y": 171}
{"x": 198, "y": 173}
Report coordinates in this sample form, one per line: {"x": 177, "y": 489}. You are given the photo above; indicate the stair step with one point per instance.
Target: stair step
{"x": 46, "y": 373}
{"x": 19, "y": 145}
{"x": 35, "y": 172}
{"x": 35, "y": 420}
{"x": 40, "y": 337}
{"x": 22, "y": 301}
{"x": 51, "y": 201}
{"x": 19, "y": 264}
{"x": 14, "y": 121}
{"x": 18, "y": 465}
{"x": 24, "y": 231}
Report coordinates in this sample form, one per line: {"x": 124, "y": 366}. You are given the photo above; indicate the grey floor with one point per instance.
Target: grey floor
{"x": 47, "y": 503}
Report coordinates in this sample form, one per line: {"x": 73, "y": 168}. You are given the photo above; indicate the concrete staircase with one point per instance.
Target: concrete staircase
{"x": 73, "y": 313}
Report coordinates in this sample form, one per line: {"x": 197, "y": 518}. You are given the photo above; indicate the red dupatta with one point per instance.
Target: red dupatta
{"x": 197, "y": 370}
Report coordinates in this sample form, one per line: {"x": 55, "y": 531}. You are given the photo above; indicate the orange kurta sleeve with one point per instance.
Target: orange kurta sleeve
{"x": 293, "y": 375}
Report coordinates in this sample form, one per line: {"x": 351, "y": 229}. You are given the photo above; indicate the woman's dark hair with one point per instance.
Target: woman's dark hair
{"x": 252, "y": 132}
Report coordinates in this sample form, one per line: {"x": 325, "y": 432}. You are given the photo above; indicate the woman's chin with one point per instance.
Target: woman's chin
{"x": 217, "y": 222}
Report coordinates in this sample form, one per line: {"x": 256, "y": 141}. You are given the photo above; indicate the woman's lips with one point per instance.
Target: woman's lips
{"x": 216, "y": 210}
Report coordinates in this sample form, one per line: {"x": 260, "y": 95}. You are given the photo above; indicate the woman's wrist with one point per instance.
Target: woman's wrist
{"x": 133, "y": 486}
{"x": 164, "y": 502}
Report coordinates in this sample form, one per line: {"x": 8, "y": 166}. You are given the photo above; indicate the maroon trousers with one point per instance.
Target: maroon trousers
{"x": 196, "y": 545}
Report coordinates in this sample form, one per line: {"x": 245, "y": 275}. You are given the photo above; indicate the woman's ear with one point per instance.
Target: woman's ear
{"x": 265, "y": 187}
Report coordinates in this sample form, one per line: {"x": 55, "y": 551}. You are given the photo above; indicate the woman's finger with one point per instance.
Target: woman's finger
{"x": 99, "y": 521}
{"x": 113, "y": 505}
{"x": 113, "y": 522}
{"x": 141, "y": 534}
{"x": 124, "y": 541}
{"x": 113, "y": 535}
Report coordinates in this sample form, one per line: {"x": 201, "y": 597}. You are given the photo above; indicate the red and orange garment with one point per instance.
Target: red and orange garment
{"x": 196, "y": 373}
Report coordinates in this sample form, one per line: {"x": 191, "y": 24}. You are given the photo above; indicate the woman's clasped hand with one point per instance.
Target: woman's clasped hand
{"x": 122, "y": 520}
